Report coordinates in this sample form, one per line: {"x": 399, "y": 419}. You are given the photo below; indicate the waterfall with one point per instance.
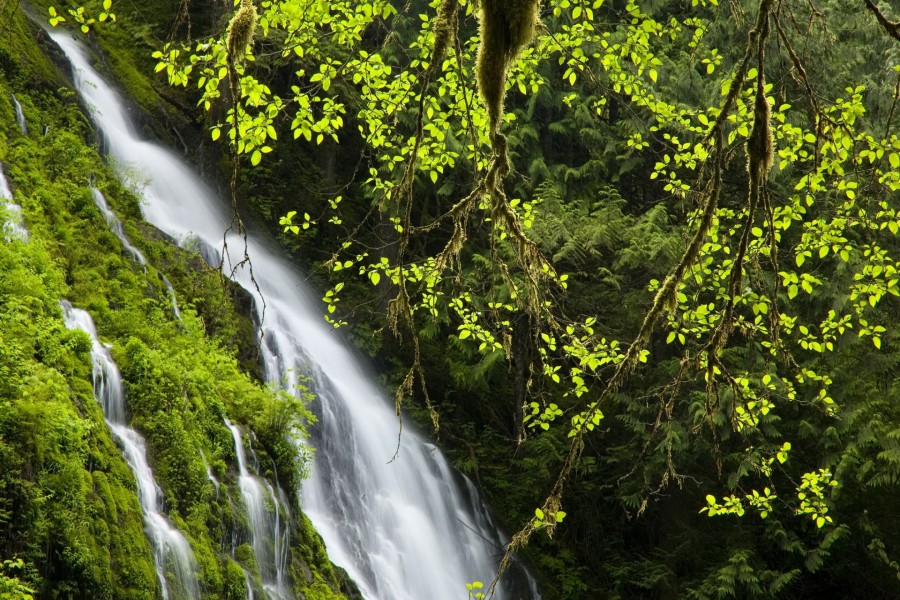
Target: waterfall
{"x": 403, "y": 529}
{"x": 115, "y": 225}
{"x": 20, "y": 115}
{"x": 250, "y": 594}
{"x": 172, "y": 554}
{"x": 172, "y": 297}
{"x": 13, "y": 226}
{"x": 268, "y": 532}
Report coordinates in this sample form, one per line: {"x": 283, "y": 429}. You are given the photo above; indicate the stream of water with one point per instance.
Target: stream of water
{"x": 20, "y": 115}
{"x": 268, "y": 531}
{"x": 13, "y": 226}
{"x": 115, "y": 225}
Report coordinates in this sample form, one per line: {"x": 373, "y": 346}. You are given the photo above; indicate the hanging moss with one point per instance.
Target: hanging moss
{"x": 506, "y": 27}
{"x": 239, "y": 36}
{"x": 240, "y": 30}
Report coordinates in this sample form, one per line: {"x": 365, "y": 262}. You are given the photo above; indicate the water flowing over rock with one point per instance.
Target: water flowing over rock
{"x": 13, "y": 226}
{"x": 115, "y": 225}
{"x": 404, "y": 529}
{"x": 175, "y": 566}
{"x": 210, "y": 475}
{"x": 20, "y": 115}
{"x": 268, "y": 527}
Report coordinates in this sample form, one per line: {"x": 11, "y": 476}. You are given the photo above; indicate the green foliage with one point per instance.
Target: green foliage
{"x": 70, "y": 522}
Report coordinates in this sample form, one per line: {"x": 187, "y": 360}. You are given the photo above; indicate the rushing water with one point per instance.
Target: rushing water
{"x": 268, "y": 531}
{"x": 172, "y": 554}
{"x": 116, "y": 227}
{"x": 407, "y": 529}
{"x": 20, "y": 115}
{"x": 13, "y": 226}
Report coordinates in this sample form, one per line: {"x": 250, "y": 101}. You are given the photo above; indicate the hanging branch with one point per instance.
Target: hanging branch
{"x": 759, "y": 161}
{"x": 239, "y": 36}
{"x": 760, "y": 154}
{"x": 892, "y": 27}
{"x": 444, "y": 28}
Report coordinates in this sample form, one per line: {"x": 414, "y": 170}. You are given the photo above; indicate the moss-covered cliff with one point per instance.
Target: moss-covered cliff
{"x": 70, "y": 520}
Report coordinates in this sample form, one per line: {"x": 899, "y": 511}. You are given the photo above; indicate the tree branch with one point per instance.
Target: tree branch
{"x": 892, "y": 27}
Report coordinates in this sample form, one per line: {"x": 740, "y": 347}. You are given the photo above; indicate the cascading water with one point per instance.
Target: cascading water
{"x": 116, "y": 227}
{"x": 20, "y": 115}
{"x": 13, "y": 226}
{"x": 251, "y": 595}
{"x": 403, "y": 529}
{"x": 268, "y": 532}
{"x": 172, "y": 554}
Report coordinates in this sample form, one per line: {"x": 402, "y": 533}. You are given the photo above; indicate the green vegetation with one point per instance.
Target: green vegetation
{"x": 70, "y": 521}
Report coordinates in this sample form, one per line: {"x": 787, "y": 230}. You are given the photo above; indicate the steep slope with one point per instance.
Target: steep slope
{"x": 71, "y": 524}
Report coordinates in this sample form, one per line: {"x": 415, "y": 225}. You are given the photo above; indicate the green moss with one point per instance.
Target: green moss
{"x": 21, "y": 59}
{"x": 235, "y": 584}
{"x": 68, "y": 501}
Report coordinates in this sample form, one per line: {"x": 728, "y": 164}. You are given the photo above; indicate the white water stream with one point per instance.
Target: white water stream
{"x": 175, "y": 566}
{"x": 13, "y": 226}
{"x": 408, "y": 529}
{"x": 137, "y": 256}
{"x": 20, "y": 115}
{"x": 115, "y": 225}
{"x": 268, "y": 531}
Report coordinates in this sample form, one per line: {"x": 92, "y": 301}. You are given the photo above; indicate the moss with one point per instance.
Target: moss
{"x": 21, "y": 58}
{"x": 68, "y": 501}
{"x": 240, "y": 32}
{"x": 505, "y": 28}
{"x": 235, "y": 584}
